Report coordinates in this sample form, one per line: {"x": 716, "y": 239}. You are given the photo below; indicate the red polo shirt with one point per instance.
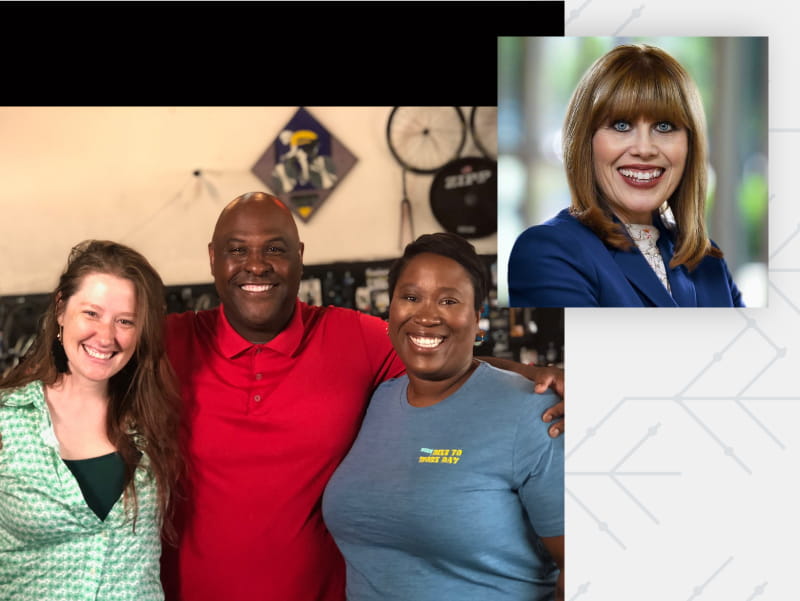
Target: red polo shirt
{"x": 268, "y": 425}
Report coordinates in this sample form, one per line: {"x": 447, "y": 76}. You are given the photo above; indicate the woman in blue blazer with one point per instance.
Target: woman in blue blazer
{"x": 635, "y": 156}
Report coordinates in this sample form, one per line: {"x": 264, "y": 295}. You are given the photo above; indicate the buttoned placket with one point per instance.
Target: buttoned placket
{"x": 257, "y": 393}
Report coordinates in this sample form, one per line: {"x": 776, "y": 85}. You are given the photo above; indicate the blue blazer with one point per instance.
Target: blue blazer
{"x": 562, "y": 263}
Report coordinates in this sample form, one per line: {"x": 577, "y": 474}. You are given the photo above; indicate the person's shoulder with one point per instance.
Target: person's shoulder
{"x": 713, "y": 276}
{"x": 543, "y": 250}
{"x": 188, "y": 320}
{"x": 340, "y": 316}
{"x": 563, "y": 219}
{"x": 326, "y": 311}
{"x": 22, "y": 395}
{"x": 192, "y": 316}
{"x": 710, "y": 261}
{"x": 400, "y": 380}
{"x": 559, "y": 229}
{"x": 503, "y": 377}
{"x": 390, "y": 387}
{"x": 514, "y": 402}
{"x": 515, "y": 388}
{"x": 313, "y": 315}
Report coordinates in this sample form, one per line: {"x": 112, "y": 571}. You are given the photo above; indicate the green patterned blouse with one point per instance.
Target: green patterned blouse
{"x": 52, "y": 545}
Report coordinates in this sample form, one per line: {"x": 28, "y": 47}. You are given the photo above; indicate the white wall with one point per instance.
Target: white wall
{"x": 126, "y": 174}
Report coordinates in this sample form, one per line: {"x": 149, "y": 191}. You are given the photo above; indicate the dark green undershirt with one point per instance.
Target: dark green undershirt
{"x": 101, "y": 479}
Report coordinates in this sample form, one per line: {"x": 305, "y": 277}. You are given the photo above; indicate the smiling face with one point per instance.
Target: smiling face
{"x": 256, "y": 260}
{"x": 432, "y": 318}
{"x": 100, "y": 328}
{"x": 638, "y": 165}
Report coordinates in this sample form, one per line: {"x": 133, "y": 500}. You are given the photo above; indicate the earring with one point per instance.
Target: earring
{"x": 480, "y": 338}
{"x": 59, "y": 355}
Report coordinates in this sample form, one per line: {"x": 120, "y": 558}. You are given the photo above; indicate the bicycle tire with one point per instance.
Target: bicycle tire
{"x": 423, "y": 139}
{"x": 483, "y": 127}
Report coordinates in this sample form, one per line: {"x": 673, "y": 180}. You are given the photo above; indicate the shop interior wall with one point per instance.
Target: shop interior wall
{"x": 156, "y": 179}
{"x": 128, "y": 174}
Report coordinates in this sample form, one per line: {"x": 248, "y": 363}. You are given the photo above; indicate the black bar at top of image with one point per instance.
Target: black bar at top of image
{"x": 268, "y": 53}
{"x": 544, "y": 18}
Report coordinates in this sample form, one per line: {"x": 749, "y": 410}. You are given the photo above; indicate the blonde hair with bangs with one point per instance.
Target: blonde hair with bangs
{"x": 628, "y": 82}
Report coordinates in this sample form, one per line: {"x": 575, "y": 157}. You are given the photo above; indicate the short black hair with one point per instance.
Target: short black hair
{"x": 453, "y": 247}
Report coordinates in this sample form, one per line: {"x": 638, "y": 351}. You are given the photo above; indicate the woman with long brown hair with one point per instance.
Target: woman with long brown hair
{"x": 89, "y": 424}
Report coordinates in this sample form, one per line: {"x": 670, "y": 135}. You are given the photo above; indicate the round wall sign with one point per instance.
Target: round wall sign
{"x": 464, "y": 197}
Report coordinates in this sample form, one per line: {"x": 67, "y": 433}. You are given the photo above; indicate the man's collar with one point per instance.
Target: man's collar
{"x": 231, "y": 343}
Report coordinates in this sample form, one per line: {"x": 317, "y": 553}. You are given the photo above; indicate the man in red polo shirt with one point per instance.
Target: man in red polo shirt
{"x": 274, "y": 393}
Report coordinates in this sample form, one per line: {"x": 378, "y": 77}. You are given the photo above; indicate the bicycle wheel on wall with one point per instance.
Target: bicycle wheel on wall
{"x": 423, "y": 139}
{"x": 483, "y": 126}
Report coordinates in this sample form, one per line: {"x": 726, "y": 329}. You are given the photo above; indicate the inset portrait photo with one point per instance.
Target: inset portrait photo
{"x": 632, "y": 172}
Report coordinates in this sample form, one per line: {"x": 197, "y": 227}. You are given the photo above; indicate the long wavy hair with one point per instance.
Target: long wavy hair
{"x": 144, "y": 402}
{"x": 628, "y": 82}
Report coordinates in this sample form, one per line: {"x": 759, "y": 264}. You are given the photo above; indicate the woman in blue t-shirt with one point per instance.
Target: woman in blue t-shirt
{"x": 450, "y": 491}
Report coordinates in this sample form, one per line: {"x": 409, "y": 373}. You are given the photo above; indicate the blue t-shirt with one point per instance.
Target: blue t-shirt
{"x": 449, "y": 501}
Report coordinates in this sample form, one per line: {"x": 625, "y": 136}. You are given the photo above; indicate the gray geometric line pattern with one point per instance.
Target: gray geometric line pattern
{"x": 713, "y": 506}
{"x": 652, "y": 431}
{"x": 582, "y": 590}
{"x": 602, "y": 526}
{"x": 593, "y": 430}
{"x": 759, "y": 590}
{"x": 635, "y": 14}
{"x": 727, "y": 449}
{"x": 698, "y": 590}
{"x": 780, "y": 293}
{"x": 613, "y": 474}
{"x": 754, "y": 324}
{"x": 779, "y": 354}
{"x": 758, "y": 422}
{"x": 716, "y": 357}
{"x": 575, "y": 12}
{"x": 636, "y": 501}
{"x": 616, "y": 473}
{"x": 720, "y": 398}
{"x": 738, "y": 400}
{"x": 785, "y": 243}
{"x": 681, "y": 400}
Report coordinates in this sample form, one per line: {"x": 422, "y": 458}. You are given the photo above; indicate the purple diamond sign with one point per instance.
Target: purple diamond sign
{"x": 304, "y": 164}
